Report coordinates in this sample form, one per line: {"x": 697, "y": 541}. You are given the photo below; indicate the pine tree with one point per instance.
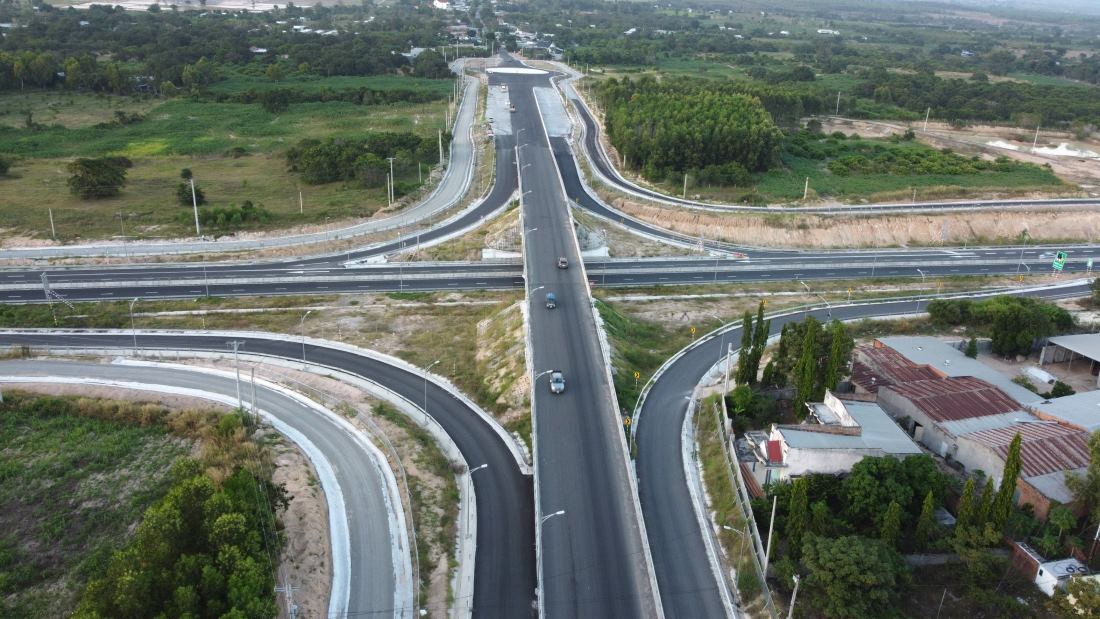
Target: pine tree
{"x": 744, "y": 356}
{"x": 837, "y": 362}
{"x": 798, "y": 513}
{"x": 891, "y": 524}
{"x": 964, "y": 514}
{"x": 1002, "y": 503}
{"x": 761, "y": 330}
{"x": 926, "y": 523}
{"x": 986, "y": 505}
{"x": 804, "y": 371}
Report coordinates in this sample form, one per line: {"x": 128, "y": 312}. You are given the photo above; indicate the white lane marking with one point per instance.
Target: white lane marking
{"x": 280, "y": 289}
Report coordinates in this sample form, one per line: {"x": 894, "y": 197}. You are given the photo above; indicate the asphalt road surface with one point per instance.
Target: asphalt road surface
{"x": 684, "y": 575}
{"x": 504, "y": 576}
{"x": 372, "y": 584}
{"x": 593, "y": 562}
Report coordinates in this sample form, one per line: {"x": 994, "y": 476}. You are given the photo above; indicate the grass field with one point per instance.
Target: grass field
{"x": 787, "y": 182}
{"x": 72, "y": 488}
{"x": 180, "y": 134}
{"x": 67, "y": 109}
{"x": 239, "y": 82}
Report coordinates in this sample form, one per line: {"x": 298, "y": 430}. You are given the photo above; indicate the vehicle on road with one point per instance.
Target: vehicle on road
{"x": 563, "y": 263}
{"x": 551, "y": 301}
{"x": 512, "y": 107}
{"x": 503, "y": 87}
{"x": 557, "y": 382}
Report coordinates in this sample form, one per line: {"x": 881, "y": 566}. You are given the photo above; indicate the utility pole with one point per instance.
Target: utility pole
{"x": 419, "y": 173}
{"x": 236, "y": 344}
{"x": 771, "y": 527}
{"x": 440, "y": 147}
{"x": 1035, "y": 142}
{"x": 926, "y": 115}
{"x": 291, "y": 607}
{"x": 806, "y": 189}
{"x": 301, "y": 203}
{"x": 195, "y": 205}
{"x": 392, "y": 178}
{"x": 53, "y": 231}
{"x": 685, "y": 186}
{"x": 133, "y": 329}
{"x": 794, "y": 595}
{"x": 837, "y": 104}
{"x": 255, "y": 413}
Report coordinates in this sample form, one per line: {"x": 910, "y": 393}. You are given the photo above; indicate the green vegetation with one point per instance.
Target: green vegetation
{"x": 811, "y": 358}
{"x": 436, "y": 508}
{"x": 1014, "y": 323}
{"x": 665, "y": 132}
{"x": 71, "y": 485}
{"x": 637, "y": 346}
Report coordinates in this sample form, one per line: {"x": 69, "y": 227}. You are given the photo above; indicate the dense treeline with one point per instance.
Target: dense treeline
{"x": 958, "y": 99}
{"x": 363, "y": 159}
{"x": 357, "y": 96}
{"x": 155, "y": 47}
{"x": 665, "y": 131}
{"x": 1015, "y": 324}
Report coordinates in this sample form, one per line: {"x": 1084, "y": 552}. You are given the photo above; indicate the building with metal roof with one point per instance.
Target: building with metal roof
{"x": 1048, "y": 450}
{"x": 1083, "y": 348}
{"x": 1081, "y": 410}
{"x": 842, "y": 433}
{"x": 948, "y": 359}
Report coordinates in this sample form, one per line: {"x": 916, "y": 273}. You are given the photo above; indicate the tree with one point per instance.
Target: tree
{"x": 926, "y": 522}
{"x": 798, "y": 513}
{"x": 838, "y": 358}
{"x": 852, "y": 577}
{"x": 972, "y": 348}
{"x": 805, "y": 370}
{"x": 761, "y": 331}
{"x": 183, "y": 194}
{"x": 1086, "y": 488}
{"x": 985, "y": 507}
{"x": 1002, "y": 503}
{"x": 1061, "y": 389}
{"x": 96, "y": 178}
{"x": 1063, "y": 519}
{"x": 274, "y": 72}
{"x": 744, "y": 356}
{"x": 891, "y": 524}
{"x": 186, "y": 174}
{"x": 965, "y": 511}
{"x": 5, "y": 165}
{"x": 1081, "y": 599}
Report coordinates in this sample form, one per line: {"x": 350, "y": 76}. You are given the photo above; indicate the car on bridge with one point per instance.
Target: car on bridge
{"x": 551, "y": 301}
{"x": 563, "y": 263}
{"x": 557, "y": 382}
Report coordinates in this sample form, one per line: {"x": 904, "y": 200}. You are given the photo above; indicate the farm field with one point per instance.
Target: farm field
{"x": 235, "y": 151}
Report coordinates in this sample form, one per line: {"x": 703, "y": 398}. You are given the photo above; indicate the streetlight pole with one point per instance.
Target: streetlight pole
{"x": 794, "y": 596}
{"x": 133, "y": 328}
{"x": 921, "y": 276}
{"x": 235, "y": 344}
{"x": 393, "y": 179}
{"x": 560, "y": 512}
{"x": 430, "y": 366}
{"x": 195, "y": 206}
{"x": 302, "y": 332}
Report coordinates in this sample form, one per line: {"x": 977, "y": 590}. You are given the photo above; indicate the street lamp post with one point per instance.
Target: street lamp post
{"x": 430, "y": 366}
{"x": 133, "y": 328}
{"x": 560, "y": 512}
{"x": 236, "y": 344}
{"x": 921, "y": 276}
{"x": 302, "y": 332}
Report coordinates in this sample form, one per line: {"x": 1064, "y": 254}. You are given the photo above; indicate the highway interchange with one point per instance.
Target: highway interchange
{"x": 594, "y": 559}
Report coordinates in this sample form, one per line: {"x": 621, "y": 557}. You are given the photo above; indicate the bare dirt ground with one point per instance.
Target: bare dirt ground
{"x": 976, "y": 139}
{"x": 794, "y": 230}
{"x": 305, "y": 561}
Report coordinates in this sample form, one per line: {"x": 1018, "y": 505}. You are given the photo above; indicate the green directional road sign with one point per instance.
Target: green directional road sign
{"x": 1060, "y": 260}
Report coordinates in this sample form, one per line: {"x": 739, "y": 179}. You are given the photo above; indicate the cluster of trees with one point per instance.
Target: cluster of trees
{"x": 746, "y": 405}
{"x": 276, "y": 99}
{"x": 101, "y": 177}
{"x": 1014, "y": 324}
{"x": 228, "y": 217}
{"x": 363, "y": 159}
{"x": 665, "y": 132}
{"x": 881, "y": 159}
{"x": 845, "y": 535}
{"x": 207, "y": 549}
{"x": 162, "y": 44}
{"x": 960, "y": 99}
{"x": 811, "y": 357}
